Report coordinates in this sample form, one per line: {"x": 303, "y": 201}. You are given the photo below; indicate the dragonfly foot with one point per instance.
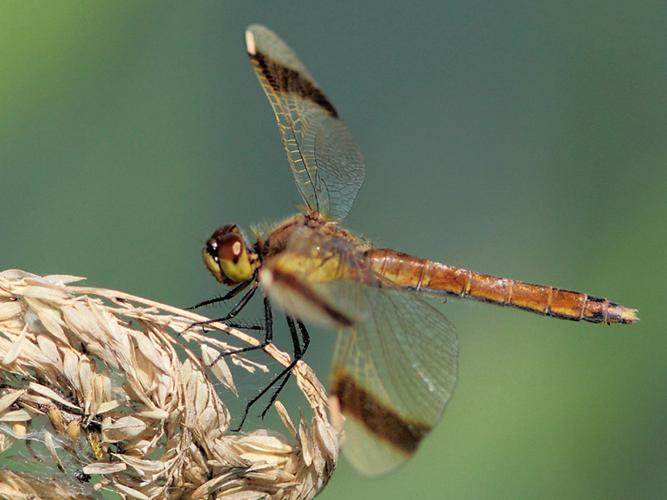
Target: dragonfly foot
{"x": 245, "y": 415}
{"x": 246, "y": 326}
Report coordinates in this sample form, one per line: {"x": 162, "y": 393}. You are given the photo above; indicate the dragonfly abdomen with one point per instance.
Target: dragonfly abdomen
{"x": 426, "y": 275}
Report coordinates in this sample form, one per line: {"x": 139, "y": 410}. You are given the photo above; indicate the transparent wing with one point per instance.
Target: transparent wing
{"x": 393, "y": 374}
{"x": 395, "y": 363}
{"x": 326, "y": 163}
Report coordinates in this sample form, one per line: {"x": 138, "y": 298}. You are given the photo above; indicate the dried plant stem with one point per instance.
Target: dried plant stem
{"x": 95, "y": 397}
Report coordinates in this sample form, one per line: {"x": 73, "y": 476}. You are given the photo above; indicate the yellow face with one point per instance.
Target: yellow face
{"x": 227, "y": 258}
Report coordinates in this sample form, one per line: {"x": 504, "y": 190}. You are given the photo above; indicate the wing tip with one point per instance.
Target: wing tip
{"x": 250, "y": 45}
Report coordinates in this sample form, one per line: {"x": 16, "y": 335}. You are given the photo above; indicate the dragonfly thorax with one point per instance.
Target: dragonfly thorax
{"x": 228, "y": 258}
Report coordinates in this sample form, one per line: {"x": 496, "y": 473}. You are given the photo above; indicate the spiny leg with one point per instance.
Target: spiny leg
{"x": 305, "y": 339}
{"x": 285, "y": 373}
{"x": 229, "y": 295}
{"x": 238, "y": 307}
{"x": 268, "y": 334}
{"x": 245, "y": 326}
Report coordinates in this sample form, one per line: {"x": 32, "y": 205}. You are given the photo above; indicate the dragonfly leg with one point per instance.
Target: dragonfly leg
{"x": 268, "y": 333}
{"x": 245, "y": 326}
{"x": 238, "y": 307}
{"x": 284, "y": 375}
{"x": 229, "y": 295}
{"x": 306, "y": 342}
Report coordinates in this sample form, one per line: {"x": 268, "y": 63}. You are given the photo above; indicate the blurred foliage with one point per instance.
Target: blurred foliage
{"x": 524, "y": 139}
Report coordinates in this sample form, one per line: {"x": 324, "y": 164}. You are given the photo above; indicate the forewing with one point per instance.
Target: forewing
{"x": 393, "y": 374}
{"x": 326, "y": 163}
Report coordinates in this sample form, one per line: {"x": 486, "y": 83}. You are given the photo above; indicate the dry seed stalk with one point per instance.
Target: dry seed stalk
{"x": 94, "y": 397}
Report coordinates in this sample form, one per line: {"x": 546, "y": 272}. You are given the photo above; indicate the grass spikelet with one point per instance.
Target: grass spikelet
{"x": 102, "y": 391}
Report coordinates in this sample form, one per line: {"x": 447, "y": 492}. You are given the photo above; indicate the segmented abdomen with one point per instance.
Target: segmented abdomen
{"x": 422, "y": 274}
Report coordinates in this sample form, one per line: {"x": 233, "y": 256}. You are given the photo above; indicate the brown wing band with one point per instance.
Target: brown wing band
{"x": 284, "y": 79}
{"x": 380, "y": 420}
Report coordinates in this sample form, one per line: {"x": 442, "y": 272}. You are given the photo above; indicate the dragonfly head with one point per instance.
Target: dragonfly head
{"x": 228, "y": 258}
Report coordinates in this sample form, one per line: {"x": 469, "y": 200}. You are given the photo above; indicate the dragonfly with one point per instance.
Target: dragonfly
{"x": 394, "y": 367}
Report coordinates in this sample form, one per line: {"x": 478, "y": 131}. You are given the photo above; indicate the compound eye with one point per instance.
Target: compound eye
{"x": 231, "y": 248}
{"x": 226, "y": 256}
{"x": 211, "y": 248}
{"x": 212, "y": 260}
{"x": 233, "y": 258}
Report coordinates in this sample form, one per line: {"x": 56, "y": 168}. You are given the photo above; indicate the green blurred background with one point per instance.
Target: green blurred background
{"x": 519, "y": 138}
